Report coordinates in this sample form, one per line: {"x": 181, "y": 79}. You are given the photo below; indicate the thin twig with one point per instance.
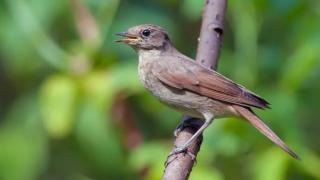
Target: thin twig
{"x": 178, "y": 167}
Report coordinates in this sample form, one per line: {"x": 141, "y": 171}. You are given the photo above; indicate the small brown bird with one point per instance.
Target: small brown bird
{"x": 181, "y": 83}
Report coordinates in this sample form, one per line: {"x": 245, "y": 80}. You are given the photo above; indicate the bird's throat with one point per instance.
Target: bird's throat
{"x": 148, "y": 55}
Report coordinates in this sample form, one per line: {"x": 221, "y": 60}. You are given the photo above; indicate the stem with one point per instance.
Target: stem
{"x": 179, "y": 166}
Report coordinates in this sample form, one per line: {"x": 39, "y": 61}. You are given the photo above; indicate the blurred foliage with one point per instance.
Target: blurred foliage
{"x": 71, "y": 105}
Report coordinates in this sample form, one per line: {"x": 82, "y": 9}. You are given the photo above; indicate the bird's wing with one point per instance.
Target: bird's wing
{"x": 186, "y": 74}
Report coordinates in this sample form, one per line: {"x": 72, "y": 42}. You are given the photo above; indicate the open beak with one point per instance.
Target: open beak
{"x": 127, "y": 37}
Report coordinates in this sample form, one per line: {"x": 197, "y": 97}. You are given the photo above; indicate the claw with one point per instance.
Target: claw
{"x": 178, "y": 150}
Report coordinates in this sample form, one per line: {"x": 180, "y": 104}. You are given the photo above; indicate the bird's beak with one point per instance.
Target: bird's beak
{"x": 127, "y": 37}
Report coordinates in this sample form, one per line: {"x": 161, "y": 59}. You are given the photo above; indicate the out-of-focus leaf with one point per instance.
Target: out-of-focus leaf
{"x": 95, "y": 131}
{"x": 150, "y": 156}
{"x": 125, "y": 77}
{"x": 45, "y": 46}
{"x": 300, "y": 64}
{"x": 87, "y": 26}
{"x": 283, "y": 7}
{"x": 284, "y": 104}
{"x": 205, "y": 173}
{"x": 192, "y": 9}
{"x": 106, "y": 13}
{"x": 46, "y": 12}
{"x": 25, "y": 112}
{"x": 246, "y": 29}
{"x": 22, "y": 154}
{"x": 16, "y": 49}
{"x": 272, "y": 164}
{"x": 101, "y": 86}
{"x": 220, "y": 140}
{"x": 97, "y": 87}
{"x": 98, "y": 140}
{"x": 310, "y": 163}
{"x": 58, "y": 97}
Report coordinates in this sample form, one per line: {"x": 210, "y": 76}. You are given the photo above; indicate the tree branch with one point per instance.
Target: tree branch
{"x": 179, "y": 166}
{"x": 211, "y": 33}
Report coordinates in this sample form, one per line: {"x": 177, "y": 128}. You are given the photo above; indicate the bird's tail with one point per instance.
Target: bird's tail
{"x": 264, "y": 129}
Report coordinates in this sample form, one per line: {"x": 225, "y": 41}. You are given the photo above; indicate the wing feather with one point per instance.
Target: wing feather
{"x": 205, "y": 82}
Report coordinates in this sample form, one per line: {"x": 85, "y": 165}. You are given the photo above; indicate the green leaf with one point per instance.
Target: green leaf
{"x": 300, "y": 65}
{"x": 246, "y": 28}
{"x": 35, "y": 33}
{"x": 98, "y": 139}
{"x": 22, "y": 154}
{"x": 205, "y": 173}
{"x": 151, "y": 156}
{"x": 273, "y": 164}
{"x": 58, "y": 97}
{"x": 192, "y": 9}
{"x": 310, "y": 163}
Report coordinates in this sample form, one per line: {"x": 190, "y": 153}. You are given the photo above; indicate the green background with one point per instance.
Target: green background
{"x": 71, "y": 105}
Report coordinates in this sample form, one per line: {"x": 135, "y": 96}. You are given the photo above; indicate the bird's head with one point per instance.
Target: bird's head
{"x": 146, "y": 37}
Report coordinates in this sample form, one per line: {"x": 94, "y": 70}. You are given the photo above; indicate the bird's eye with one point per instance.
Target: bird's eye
{"x": 146, "y": 32}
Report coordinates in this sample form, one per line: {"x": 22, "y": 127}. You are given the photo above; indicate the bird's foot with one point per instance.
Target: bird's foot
{"x": 193, "y": 123}
{"x": 183, "y": 149}
{"x": 177, "y": 150}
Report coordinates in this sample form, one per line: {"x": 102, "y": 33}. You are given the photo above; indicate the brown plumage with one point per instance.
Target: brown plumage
{"x": 207, "y": 83}
{"x": 186, "y": 86}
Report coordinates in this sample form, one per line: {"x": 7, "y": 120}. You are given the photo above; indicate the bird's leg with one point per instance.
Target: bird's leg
{"x": 208, "y": 119}
{"x": 188, "y": 121}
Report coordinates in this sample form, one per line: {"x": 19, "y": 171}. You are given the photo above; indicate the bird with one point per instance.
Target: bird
{"x": 186, "y": 86}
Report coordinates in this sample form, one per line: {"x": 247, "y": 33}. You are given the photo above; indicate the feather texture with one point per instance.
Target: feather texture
{"x": 193, "y": 77}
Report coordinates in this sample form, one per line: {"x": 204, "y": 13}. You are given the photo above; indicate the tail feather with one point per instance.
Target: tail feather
{"x": 264, "y": 129}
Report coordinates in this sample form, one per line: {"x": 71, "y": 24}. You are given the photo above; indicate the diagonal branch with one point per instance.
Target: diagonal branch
{"x": 179, "y": 166}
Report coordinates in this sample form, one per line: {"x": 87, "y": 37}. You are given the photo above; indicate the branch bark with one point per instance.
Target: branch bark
{"x": 179, "y": 166}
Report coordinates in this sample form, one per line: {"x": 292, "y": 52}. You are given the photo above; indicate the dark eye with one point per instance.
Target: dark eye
{"x": 146, "y": 32}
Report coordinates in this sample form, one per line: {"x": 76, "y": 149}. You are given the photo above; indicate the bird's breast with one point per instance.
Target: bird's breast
{"x": 144, "y": 72}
